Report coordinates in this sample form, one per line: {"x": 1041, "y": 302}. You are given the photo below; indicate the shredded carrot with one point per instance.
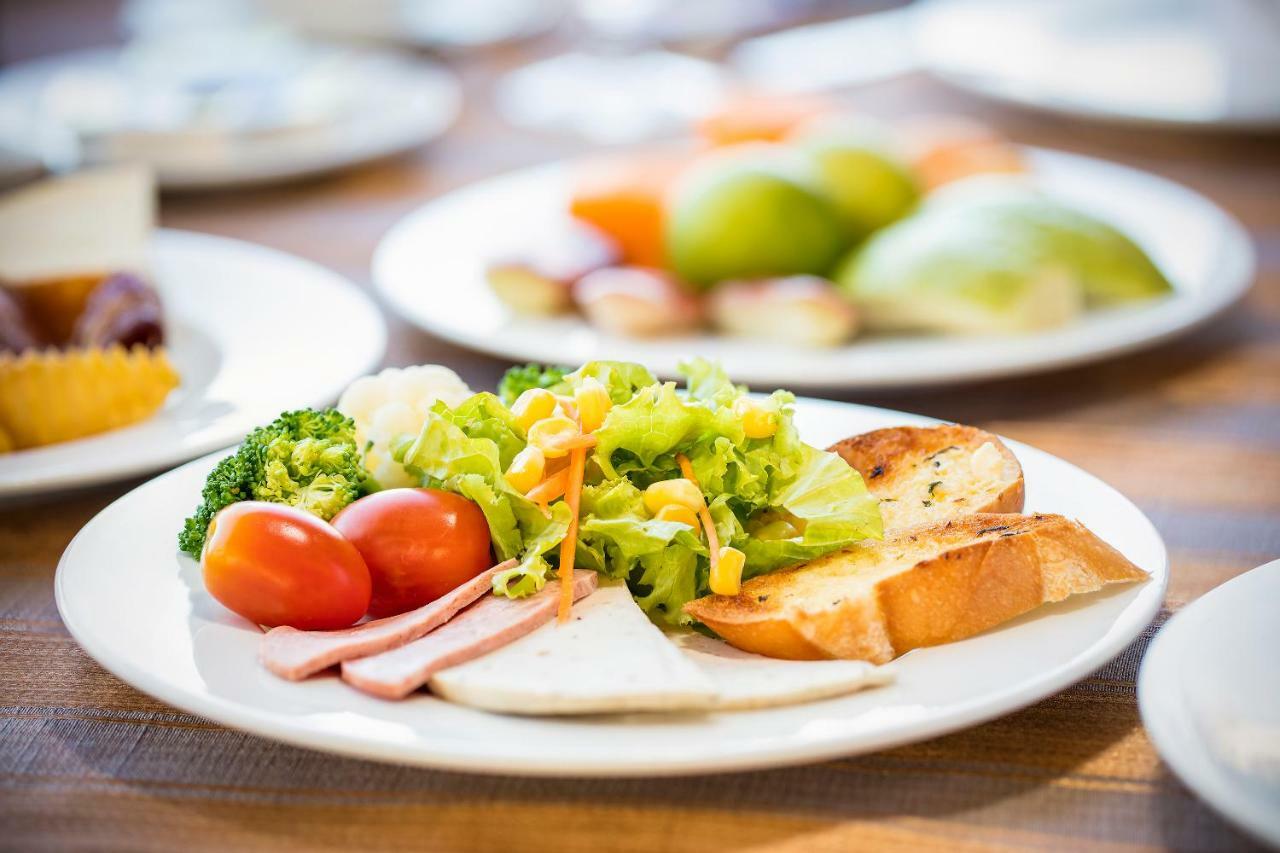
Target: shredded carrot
{"x": 708, "y": 524}
{"x": 573, "y": 497}
{"x": 549, "y": 489}
{"x": 686, "y": 468}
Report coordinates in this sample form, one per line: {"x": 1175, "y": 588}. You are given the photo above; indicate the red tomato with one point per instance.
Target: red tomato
{"x": 417, "y": 543}
{"x": 277, "y": 565}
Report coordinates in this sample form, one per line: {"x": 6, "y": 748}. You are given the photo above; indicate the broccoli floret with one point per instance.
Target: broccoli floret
{"x": 228, "y": 482}
{"x": 517, "y": 380}
{"x": 305, "y": 458}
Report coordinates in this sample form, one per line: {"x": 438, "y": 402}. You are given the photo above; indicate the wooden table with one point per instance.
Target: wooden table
{"x": 1190, "y": 431}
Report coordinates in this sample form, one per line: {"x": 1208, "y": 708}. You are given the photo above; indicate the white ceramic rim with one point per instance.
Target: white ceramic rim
{"x": 1175, "y": 736}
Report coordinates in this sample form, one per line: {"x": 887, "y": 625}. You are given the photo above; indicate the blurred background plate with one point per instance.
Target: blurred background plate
{"x": 284, "y": 108}
{"x": 430, "y": 267}
{"x": 1209, "y": 691}
{"x": 251, "y": 331}
{"x": 1161, "y": 62}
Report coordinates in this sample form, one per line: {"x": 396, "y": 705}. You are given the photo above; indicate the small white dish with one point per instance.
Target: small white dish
{"x": 321, "y": 110}
{"x": 430, "y": 268}
{"x": 139, "y": 608}
{"x": 1209, "y": 692}
{"x": 251, "y": 331}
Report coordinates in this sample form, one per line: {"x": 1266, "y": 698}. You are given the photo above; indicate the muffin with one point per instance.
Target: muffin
{"x": 81, "y": 330}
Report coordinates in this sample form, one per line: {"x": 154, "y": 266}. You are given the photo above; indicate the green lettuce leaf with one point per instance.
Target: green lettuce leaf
{"x": 622, "y": 379}
{"x": 646, "y": 431}
{"x": 658, "y": 559}
{"x": 484, "y": 416}
{"x": 708, "y": 381}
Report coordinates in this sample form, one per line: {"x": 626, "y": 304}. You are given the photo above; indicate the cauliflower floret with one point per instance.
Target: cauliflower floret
{"x": 394, "y": 404}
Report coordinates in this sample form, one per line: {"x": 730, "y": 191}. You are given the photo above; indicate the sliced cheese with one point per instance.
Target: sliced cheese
{"x": 743, "y": 680}
{"x": 608, "y": 658}
{"x": 89, "y": 223}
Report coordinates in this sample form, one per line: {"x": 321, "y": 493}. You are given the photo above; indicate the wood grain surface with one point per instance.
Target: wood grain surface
{"x": 1189, "y": 430}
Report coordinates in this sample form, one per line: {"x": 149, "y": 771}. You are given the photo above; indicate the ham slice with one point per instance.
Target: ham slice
{"x": 487, "y": 625}
{"x": 294, "y": 654}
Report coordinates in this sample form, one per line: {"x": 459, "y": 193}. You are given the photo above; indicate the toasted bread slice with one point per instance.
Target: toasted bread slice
{"x": 920, "y": 586}
{"x": 925, "y": 475}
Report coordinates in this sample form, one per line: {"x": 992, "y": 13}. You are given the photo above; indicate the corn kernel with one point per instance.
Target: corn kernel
{"x": 550, "y": 434}
{"x": 680, "y": 491}
{"x": 526, "y": 469}
{"x": 676, "y": 512}
{"x": 593, "y": 404}
{"x": 726, "y": 574}
{"x": 532, "y": 406}
{"x": 757, "y": 421}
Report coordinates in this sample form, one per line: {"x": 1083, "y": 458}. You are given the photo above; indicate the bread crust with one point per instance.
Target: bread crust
{"x": 900, "y": 466}
{"x": 920, "y": 586}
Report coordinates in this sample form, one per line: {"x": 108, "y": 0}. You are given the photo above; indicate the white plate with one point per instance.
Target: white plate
{"x": 1209, "y": 691}
{"x": 138, "y": 608}
{"x": 1200, "y": 66}
{"x": 430, "y": 267}
{"x": 251, "y": 331}
{"x": 408, "y": 101}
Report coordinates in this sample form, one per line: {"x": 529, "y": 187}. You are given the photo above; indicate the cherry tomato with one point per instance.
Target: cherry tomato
{"x": 277, "y": 565}
{"x": 417, "y": 543}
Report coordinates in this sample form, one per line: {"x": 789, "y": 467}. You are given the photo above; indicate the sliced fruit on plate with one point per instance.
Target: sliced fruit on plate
{"x": 626, "y": 199}
{"x": 751, "y": 213}
{"x": 637, "y": 302}
{"x": 537, "y": 279}
{"x": 802, "y": 310}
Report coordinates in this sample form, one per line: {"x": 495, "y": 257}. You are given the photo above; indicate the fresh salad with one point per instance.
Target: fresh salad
{"x": 678, "y": 491}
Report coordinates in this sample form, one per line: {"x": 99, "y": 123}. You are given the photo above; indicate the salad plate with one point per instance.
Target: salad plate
{"x": 139, "y": 608}
{"x": 431, "y": 269}
{"x": 241, "y": 331}
{"x": 1207, "y": 691}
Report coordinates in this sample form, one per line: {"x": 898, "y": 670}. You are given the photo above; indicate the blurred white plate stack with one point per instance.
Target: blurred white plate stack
{"x": 224, "y": 106}
{"x": 1178, "y": 63}
{"x": 1192, "y": 64}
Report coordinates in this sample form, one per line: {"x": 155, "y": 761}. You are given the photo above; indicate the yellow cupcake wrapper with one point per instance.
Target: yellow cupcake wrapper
{"x": 58, "y": 395}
